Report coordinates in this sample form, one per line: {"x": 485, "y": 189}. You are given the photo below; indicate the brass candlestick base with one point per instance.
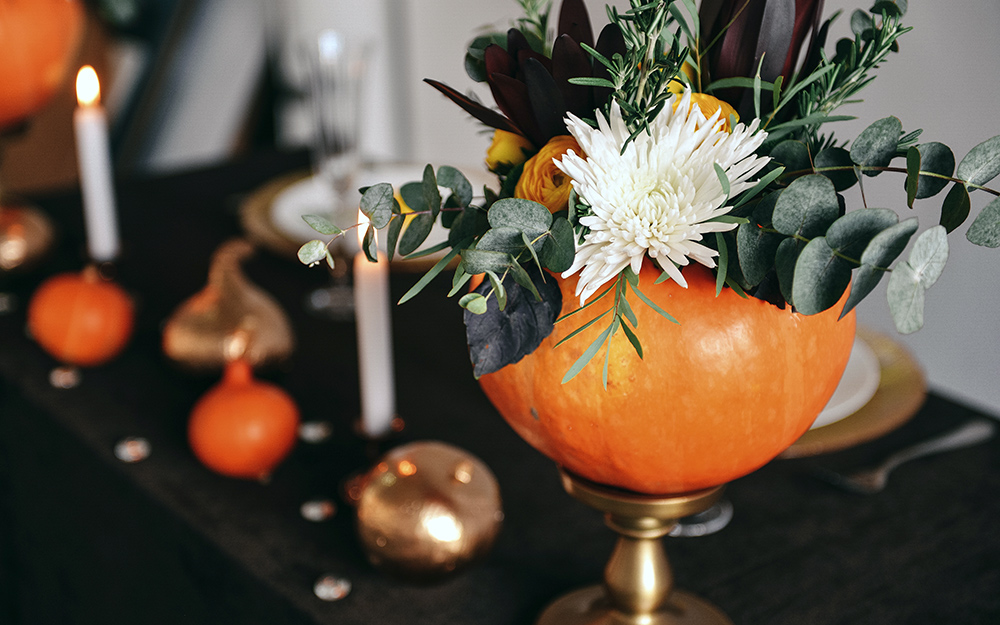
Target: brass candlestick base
{"x": 638, "y": 583}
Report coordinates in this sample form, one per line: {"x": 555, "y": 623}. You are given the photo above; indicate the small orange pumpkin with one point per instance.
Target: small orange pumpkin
{"x": 80, "y": 318}
{"x": 39, "y": 39}
{"x": 243, "y": 427}
{"x": 716, "y": 397}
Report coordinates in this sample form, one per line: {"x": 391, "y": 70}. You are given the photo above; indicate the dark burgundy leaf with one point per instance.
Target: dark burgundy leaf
{"x": 734, "y": 56}
{"x": 575, "y": 22}
{"x": 807, "y": 19}
{"x": 497, "y": 61}
{"x": 546, "y": 99}
{"x": 511, "y": 96}
{"x": 486, "y": 115}
{"x": 516, "y": 42}
{"x": 775, "y": 38}
{"x": 524, "y": 55}
{"x": 708, "y": 15}
{"x": 610, "y": 43}
{"x": 570, "y": 61}
{"x": 500, "y": 337}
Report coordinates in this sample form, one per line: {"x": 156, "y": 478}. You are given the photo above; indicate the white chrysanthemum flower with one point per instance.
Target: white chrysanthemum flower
{"x": 658, "y": 197}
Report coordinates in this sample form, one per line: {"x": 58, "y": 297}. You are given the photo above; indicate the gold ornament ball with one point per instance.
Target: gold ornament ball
{"x": 426, "y": 510}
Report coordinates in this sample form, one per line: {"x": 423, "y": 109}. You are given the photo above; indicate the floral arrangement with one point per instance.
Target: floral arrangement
{"x": 681, "y": 134}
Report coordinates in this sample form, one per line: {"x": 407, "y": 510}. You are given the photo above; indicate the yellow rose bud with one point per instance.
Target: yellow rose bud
{"x": 541, "y": 181}
{"x": 507, "y": 150}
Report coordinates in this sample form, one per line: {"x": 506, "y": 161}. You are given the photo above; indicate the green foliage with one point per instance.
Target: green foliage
{"x": 876, "y": 146}
{"x": 985, "y": 230}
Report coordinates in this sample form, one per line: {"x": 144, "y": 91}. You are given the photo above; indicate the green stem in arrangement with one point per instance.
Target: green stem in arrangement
{"x": 896, "y": 170}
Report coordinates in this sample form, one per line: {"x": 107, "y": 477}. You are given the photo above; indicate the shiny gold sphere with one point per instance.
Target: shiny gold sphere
{"x": 25, "y": 237}
{"x": 427, "y": 509}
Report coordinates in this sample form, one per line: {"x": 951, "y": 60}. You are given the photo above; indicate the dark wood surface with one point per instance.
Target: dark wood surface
{"x": 85, "y": 538}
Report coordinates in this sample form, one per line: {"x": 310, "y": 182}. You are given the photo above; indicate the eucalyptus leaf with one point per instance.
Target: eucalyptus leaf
{"x": 807, "y": 207}
{"x": 755, "y": 248}
{"x": 376, "y": 204}
{"x": 861, "y": 22}
{"x": 498, "y": 289}
{"x": 471, "y": 222}
{"x": 820, "y": 278}
{"x": 985, "y": 230}
{"x": 416, "y": 233}
{"x": 836, "y": 157}
{"x": 935, "y": 158}
{"x": 887, "y": 245}
{"x": 312, "y": 252}
{"x": 794, "y": 155}
{"x": 413, "y": 196}
{"x": 322, "y": 225}
{"x": 877, "y": 144}
{"x": 474, "y": 303}
{"x": 529, "y": 217}
{"x": 522, "y": 277}
{"x": 429, "y": 187}
{"x": 392, "y": 235}
{"x": 852, "y": 233}
{"x": 912, "y": 174}
{"x": 981, "y": 164}
{"x": 481, "y": 261}
{"x": 956, "y": 207}
{"x": 369, "y": 244}
{"x": 906, "y": 298}
{"x": 929, "y": 255}
{"x": 558, "y": 250}
{"x": 503, "y": 239}
{"x": 784, "y": 265}
{"x": 892, "y": 8}
{"x": 865, "y": 280}
{"x": 461, "y": 189}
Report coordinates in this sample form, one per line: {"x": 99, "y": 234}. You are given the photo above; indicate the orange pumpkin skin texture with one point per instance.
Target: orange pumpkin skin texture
{"x": 716, "y": 397}
{"x": 243, "y": 427}
{"x": 80, "y": 318}
{"x": 39, "y": 39}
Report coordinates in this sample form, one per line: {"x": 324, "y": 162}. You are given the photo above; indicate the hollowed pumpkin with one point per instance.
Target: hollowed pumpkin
{"x": 716, "y": 397}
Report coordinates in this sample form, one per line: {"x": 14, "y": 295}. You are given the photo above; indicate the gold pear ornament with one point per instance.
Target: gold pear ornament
{"x": 197, "y": 335}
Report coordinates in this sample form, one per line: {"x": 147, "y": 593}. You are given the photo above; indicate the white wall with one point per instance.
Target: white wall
{"x": 943, "y": 81}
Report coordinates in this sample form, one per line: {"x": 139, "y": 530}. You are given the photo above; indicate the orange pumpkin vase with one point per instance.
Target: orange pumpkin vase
{"x": 80, "y": 318}
{"x": 243, "y": 427}
{"x": 716, "y": 396}
{"x": 39, "y": 39}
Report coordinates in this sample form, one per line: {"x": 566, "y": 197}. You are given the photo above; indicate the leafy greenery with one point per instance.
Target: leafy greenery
{"x": 796, "y": 242}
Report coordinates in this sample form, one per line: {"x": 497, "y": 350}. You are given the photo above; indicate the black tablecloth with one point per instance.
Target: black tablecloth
{"x": 86, "y": 538}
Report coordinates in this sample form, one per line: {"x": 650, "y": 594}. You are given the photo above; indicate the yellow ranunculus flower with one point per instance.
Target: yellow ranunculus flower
{"x": 707, "y": 103}
{"x": 541, "y": 181}
{"x": 507, "y": 150}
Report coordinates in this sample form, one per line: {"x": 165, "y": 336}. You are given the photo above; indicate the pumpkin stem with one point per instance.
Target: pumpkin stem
{"x": 238, "y": 371}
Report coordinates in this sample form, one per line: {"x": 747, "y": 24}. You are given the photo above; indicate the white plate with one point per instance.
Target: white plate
{"x": 857, "y": 385}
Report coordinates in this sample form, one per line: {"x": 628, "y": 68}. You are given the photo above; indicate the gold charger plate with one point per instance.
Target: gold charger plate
{"x": 901, "y": 392}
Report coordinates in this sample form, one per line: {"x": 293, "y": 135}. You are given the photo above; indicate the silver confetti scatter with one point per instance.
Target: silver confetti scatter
{"x": 315, "y": 431}
{"x": 317, "y": 510}
{"x": 132, "y": 449}
{"x": 331, "y": 588}
{"x": 64, "y": 377}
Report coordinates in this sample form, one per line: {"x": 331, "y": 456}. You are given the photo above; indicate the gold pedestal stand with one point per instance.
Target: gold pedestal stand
{"x": 638, "y": 583}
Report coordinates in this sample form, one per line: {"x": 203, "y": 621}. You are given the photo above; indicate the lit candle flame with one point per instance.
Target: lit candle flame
{"x": 88, "y": 88}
